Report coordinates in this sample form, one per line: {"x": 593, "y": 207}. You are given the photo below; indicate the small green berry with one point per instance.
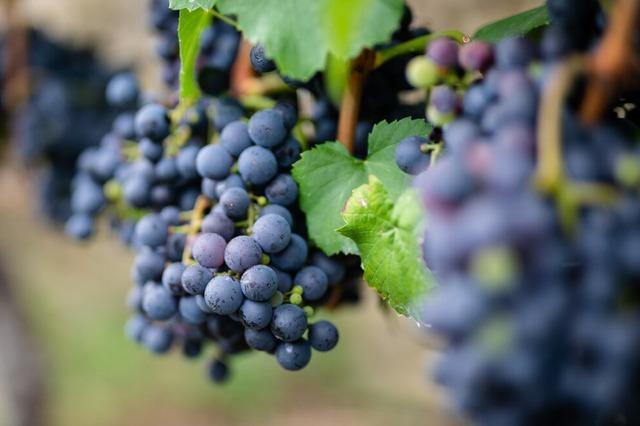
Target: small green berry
{"x": 422, "y": 72}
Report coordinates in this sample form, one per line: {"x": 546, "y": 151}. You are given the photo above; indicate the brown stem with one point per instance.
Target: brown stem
{"x": 613, "y": 63}
{"x": 549, "y": 172}
{"x": 202, "y": 204}
{"x": 241, "y": 71}
{"x": 245, "y": 82}
{"x": 350, "y": 105}
{"x": 16, "y": 85}
{"x": 334, "y": 298}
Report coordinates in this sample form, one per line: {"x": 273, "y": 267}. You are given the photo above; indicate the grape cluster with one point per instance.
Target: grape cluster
{"x": 237, "y": 273}
{"x": 538, "y": 293}
{"x": 446, "y": 70}
{"x": 208, "y": 203}
{"x": 64, "y": 113}
{"x": 218, "y": 48}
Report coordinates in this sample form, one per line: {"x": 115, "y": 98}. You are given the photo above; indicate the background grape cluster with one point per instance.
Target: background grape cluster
{"x": 64, "y": 113}
{"x": 536, "y": 299}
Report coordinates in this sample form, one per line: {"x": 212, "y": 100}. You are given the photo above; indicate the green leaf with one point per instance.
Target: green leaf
{"x": 191, "y": 5}
{"x": 299, "y": 34}
{"x": 190, "y": 27}
{"x": 516, "y": 25}
{"x": 387, "y": 233}
{"x": 328, "y": 174}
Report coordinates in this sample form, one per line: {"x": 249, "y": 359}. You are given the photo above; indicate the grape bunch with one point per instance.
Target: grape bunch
{"x": 238, "y": 273}
{"x": 445, "y": 72}
{"x": 64, "y": 113}
{"x": 218, "y": 48}
{"x": 208, "y": 203}
{"x": 537, "y": 298}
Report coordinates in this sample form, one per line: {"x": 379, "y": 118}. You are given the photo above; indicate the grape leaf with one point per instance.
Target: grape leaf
{"x": 299, "y": 34}
{"x": 387, "y": 233}
{"x": 328, "y": 174}
{"x": 191, "y": 5}
{"x": 516, "y": 25}
{"x": 190, "y": 27}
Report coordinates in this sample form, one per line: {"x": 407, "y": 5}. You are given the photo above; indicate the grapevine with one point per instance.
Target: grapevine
{"x": 484, "y": 185}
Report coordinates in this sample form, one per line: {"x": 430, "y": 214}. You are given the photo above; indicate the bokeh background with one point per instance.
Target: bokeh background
{"x": 70, "y": 298}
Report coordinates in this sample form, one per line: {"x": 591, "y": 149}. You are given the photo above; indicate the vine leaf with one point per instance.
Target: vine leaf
{"x": 387, "y": 234}
{"x": 328, "y": 174}
{"x": 520, "y": 24}
{"x": 191, "y": 5}
{"x": 190, "y": 27}
{"x": 299, "y": 34}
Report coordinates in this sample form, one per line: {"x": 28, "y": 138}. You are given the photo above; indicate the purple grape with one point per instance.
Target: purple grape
{"x": 444, "y": 52}
{"x": 208, "y": 250}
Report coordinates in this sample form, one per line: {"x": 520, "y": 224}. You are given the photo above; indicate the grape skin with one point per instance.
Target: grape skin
{"x": 223, "y": 295}
{"x": 242, "y": 253}
{"x": 267, "y": 128}
{"x": 313, "y": 281}
{"x": 282, "y": 190}
{"x": 235, "y": 203}
{"x": 255, "y": 315}
{"x": 213, "y": 162}
{"x": 158, "y": 303}
{"x": 208, "y": 250}
{"x": 293, "y": 355}
{"x": 172, "y": 278}
{"x": 259, "y": 283}
{"x": 260, "y": 340}
{"x": 409, "y": 155}
{"x": 235, "y": 137}
{"x": 323, "y": 336}
{"x": 259, "y": 60}
{"x": 272, "y": 232}
{"x": 195, "y": 279}
{"x": 257, "y": 165}
{"x": 289, "y": 322}
{"x": 293, "y": 256}
{"x": 220, "y": 224}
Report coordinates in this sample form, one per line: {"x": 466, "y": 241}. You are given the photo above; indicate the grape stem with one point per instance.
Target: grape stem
{"x": 244, "y": 81}
{"x": 350, "y": 105}
{"x": 550, "y": 177}
{"x": 16, "y": 82}
{"x": 241, "y": 70}
{"x": 257, "y": 102}
{"x": 202, "y": 204}
{"x": 613, "y": 62}
{"x": 224, "y": 18}
{"x": 417, "y": 44}
{"x": 549, "y": 174}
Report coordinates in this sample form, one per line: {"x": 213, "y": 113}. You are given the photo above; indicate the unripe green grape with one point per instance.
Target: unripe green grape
{"x": 422, "y": 72}
{"x": 437, "y": 118}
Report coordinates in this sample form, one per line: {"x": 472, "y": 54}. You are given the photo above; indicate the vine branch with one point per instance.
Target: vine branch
{"x": 16, "y": 85}
{"x": 224, "y": 18}
{"x": 202, "y": 204}
{"x": 241, "y": 71}
{"x": 613, "y": 62}
{"x": 350, "y": 105}
{"x": 417, "y": 44}
{"x": 549, "y": 172}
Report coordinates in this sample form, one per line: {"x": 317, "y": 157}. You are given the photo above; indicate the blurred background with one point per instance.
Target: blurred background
{"x": 63, "y": 357}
